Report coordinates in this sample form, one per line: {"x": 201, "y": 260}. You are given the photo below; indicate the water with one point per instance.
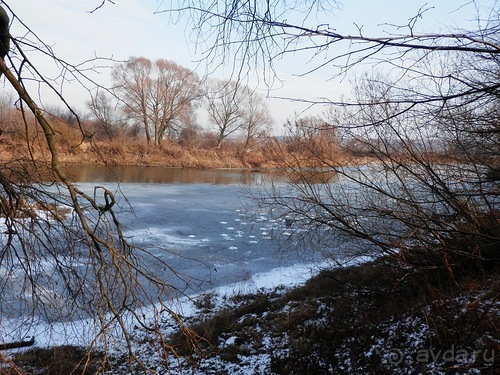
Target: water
{"x": 134, "y": 174}
{"x": 202, "y": 223}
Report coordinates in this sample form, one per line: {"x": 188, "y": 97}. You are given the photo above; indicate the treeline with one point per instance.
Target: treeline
{"x": 152, "y": 116}
{"x": 161, "y": 101}
{"x": 114, "y": 131}
{"x": 160, "y": 113}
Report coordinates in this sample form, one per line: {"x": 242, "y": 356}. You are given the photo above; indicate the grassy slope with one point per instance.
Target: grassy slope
{"x": 373, "y": 318}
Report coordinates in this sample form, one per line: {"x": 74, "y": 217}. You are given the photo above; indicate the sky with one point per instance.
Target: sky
{"x": 135, "y": 28}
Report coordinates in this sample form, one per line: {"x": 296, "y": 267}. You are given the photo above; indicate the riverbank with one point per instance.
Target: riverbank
{"x": 269, "y": 153}
{"x": 366, "y": 318}
{"x": 173, "y": 156}
{"x": 138, "y": 154}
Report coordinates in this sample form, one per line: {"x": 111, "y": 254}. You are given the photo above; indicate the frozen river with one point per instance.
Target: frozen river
{"x": 201, "y": 223}
{"x": 207, "y": 232}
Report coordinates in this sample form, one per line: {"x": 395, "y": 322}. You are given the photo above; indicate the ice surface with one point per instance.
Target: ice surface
{"x": 186, "y": 226}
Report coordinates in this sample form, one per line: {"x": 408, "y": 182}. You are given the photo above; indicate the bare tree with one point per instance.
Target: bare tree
{"x": 105, "y": 114}
{"x": 9, "y": 118}
{"x": 225, "y": 107}
{"x": 234, "y": 108}
{"x": 161, "y": 95}
{"x": 314, "y": 131}
{"x": 63, "y": 253}
{"x": 407, "y": 198}
{"x": 257, "y": 119}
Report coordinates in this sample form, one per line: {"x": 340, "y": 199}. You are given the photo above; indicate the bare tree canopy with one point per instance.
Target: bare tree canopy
{"x": 63, "y": 252}
{"x": 258, "y": 120}
{"x": 161, "y": 96}
{"x": 422, "y": 126}
{"x": 234, "y": 108}
{"x": 226, "y": 107}
{"x": 256, "y": 35}
{"x": 105, "y": 114}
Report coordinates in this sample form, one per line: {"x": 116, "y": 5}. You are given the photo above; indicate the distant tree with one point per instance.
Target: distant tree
{"x": 65, "y": 115}
{"x": 225, "y": 106}
{"x": 161, "y": 96}
{"x": 234, "y": 108}
{"x": 311, "y": 132}
{"x": 257, "y": 118}
{"x": 105, "y": 115}
{"x": 191, "y": 136}
{"x": 306, "y": 152}
{"x": 10, "y": 121}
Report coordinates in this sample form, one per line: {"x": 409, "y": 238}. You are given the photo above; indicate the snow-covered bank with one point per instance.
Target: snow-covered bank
{"x": 82, "y": 332}
{"x": 372, "y": 318}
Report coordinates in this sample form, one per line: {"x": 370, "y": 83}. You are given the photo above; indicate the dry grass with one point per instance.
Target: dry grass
{"x": 341, "y": 321}
{"x": 128, "y": 150}
{"x": 339, "y": 316}
{"x": 120, "y": 152}
{"x": 62, "y": 360}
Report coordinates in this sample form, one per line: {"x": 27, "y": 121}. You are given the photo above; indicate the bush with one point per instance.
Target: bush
{"x": 60, "y": 360}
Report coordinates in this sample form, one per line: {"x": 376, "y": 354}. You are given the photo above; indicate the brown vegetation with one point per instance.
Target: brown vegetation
{"x": 61, "y": 360}
{"x": 122, "y": 152}
{"x": 350, "y": 319}
{"x": 353, "y": 320}
{"x": 83, "y": 143}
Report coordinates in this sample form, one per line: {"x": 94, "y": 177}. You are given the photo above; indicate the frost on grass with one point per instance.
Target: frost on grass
{"x": 334, "y": 322}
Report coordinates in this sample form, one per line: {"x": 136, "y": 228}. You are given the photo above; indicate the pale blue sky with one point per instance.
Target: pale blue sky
{"x": 131, "y": 28}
